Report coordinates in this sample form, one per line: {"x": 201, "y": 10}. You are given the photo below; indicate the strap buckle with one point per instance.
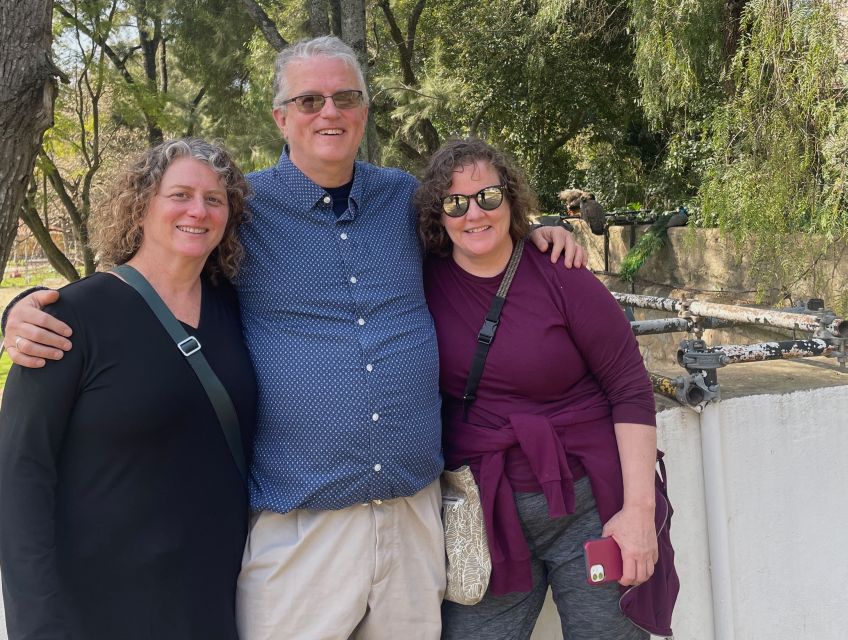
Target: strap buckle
{"x": 189, "y": 346}
{"x": 487, "y": 331}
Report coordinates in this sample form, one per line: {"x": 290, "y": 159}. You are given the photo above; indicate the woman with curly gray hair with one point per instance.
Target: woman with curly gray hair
{"x": 122, "y": 511}
{"x": 560, "y": 430}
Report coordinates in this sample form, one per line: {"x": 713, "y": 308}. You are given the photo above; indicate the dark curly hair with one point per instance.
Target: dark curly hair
{"x": 436, "y": 181}
{"x": 118, "y": 230}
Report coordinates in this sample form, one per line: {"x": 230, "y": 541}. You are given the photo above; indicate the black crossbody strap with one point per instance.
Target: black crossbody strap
{"x": 189, "y": 346}
{"x": 487, "y": 331}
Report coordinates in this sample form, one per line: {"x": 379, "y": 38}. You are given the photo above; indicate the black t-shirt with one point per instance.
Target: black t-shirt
{"x": 122, "y": 512}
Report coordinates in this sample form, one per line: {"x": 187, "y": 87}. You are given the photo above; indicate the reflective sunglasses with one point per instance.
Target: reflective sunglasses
{"x": 314, "y": 102}
{"x": 489, "y": 198}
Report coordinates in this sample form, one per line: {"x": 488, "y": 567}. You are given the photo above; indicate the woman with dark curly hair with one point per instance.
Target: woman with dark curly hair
{"x": 123, "y": 513}
{"x": 561, "y": 436}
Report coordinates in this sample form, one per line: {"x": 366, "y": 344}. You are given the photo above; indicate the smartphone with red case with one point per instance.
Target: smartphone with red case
{"x": 603, "y": 560}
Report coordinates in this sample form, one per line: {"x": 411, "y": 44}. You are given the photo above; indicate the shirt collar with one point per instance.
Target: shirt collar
{"x": 306, "y": 194}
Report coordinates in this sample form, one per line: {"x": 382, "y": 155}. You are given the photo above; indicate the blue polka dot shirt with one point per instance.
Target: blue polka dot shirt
{"x": 343, "y": 344}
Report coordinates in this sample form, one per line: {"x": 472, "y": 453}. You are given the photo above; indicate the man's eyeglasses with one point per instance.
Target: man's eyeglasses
{"x": 456, "y": 204}
{"x": 314, "y": 102}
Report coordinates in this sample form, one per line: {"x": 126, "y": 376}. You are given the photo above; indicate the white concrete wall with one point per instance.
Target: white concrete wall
{"x": 786, "y": 498}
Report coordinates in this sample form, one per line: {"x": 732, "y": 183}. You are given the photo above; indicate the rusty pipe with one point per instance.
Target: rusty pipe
{"x": 672, "y": 325}
{"x": 784, "y": 350}
{"x": 837, "y": 327}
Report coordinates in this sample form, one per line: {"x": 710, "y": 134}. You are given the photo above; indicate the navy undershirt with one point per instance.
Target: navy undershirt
{"x": 339, "y": 196}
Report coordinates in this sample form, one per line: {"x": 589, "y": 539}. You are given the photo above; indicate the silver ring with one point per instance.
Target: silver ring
{"x": 17, "y": 342}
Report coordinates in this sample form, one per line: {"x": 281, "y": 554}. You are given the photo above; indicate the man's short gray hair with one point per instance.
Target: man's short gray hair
{"x": 323, "y": 47}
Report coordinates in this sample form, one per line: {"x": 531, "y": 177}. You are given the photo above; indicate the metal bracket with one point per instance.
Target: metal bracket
{"x": 841, "y": 351}
{"x": 693, "y": 356}
{"x": 694, "y": 390}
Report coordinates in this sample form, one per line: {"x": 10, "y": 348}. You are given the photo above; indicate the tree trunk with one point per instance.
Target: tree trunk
{"x": 319, "y": 21}
{"x": 150, "y": 35}
{"x": 27, "y": 92}
{"x": 353, "y": 33}
{"x": 406, "y": 50}
{"x": 730, "y": 42}
{"x": 336, "y": 17}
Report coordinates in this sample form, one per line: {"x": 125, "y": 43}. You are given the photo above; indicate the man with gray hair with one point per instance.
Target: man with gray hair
{"x": 346, "y": 538}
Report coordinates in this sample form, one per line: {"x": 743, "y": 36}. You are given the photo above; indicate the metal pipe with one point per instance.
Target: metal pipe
{"x": 664, "y": 385}
{"x": 745, "y": 315}
{"x": 783, "y": 350}
{"x": 768, "y": 317}
{"x": 663, "y": 325}
{"x": 672, "y": 325}
{"x": 691, "y": 390}
{"x": 717, "y": 519}
{"x": 648, "y": 302}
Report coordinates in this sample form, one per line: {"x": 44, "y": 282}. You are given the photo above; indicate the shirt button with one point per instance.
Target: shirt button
{"x": 377, "y": 467}
{"x": 343, "y": 236}
{"x": 369, "y": 367}
{"x": 353, "y": 279}
{"x": 326, "y": 199}
{"x": 375, "y": 416}
{"x": 361, "y": 322}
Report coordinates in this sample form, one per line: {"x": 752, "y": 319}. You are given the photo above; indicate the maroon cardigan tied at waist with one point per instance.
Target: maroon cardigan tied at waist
{"x": 587, "y": 434}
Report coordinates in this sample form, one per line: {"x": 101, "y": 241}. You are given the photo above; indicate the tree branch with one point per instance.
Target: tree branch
{"x": 406, "y": 149}
{"x": 478, "y": 118}
{"x": 58, "y": 184}
{"x": 193, "y": 110}
{"x": 120, "y": 64}
{"x": 404, "y": 54}
{"x": 57, "y": 259}
{"x": 412, "y": 25}
{"x": 265, "y": 24}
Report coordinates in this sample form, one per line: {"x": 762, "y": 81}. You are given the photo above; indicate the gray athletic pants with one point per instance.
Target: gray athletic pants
{"x": 587, "y": 612}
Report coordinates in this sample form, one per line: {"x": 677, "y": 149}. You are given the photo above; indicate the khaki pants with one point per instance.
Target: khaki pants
{"x": 370, "y": 572}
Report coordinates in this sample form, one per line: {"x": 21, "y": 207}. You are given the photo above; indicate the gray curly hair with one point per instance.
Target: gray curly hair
{"x": 118, "y": 222}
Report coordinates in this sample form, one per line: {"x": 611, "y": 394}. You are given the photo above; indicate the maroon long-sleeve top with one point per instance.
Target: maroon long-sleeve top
{"x": 564, "y": 367}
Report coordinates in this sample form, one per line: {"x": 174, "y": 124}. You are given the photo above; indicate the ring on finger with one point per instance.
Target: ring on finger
{"x": 17, "y": 342}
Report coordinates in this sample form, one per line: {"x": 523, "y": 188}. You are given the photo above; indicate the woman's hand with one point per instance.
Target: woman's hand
{"x": 634, "y": 530}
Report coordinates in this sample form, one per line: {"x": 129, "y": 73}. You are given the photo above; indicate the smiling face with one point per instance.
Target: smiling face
{"x": 186, "y": 218}
{"x": 481, "y": 241}
{"x": 323, "y": 145}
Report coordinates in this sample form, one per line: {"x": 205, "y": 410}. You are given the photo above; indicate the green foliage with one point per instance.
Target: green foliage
{"x": 779, "y": 144}
{"x": 657, "y": 102}
{"x": 678, "y": 57}
{"x": 531, "y": 77}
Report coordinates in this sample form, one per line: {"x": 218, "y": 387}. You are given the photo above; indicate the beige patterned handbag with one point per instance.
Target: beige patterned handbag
{"x": 469, "y": 564}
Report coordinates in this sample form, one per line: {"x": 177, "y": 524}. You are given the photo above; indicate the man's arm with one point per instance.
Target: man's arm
{"x": 32, "y": 336}
{"x": 560, "y": 242}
